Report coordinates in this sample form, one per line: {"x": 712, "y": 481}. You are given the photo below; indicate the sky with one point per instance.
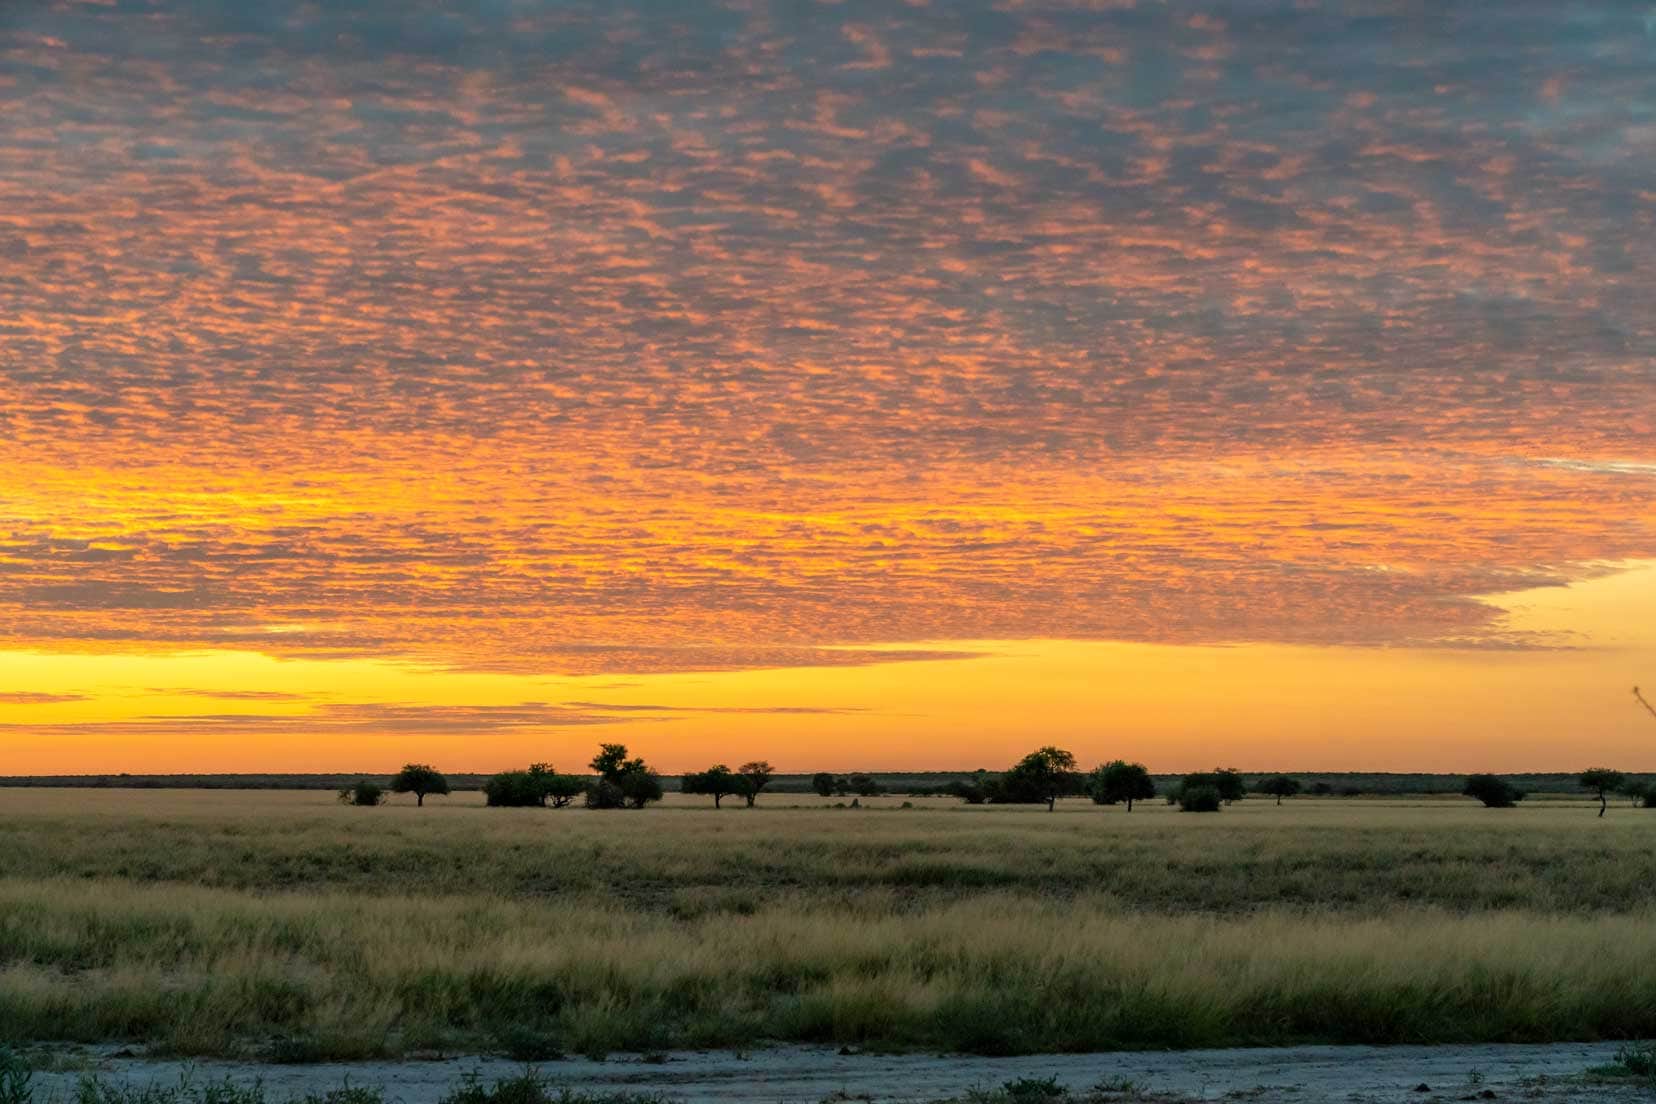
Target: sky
{"x": 893, "y": 385}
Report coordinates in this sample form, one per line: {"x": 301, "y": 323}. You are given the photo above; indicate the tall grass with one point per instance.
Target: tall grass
{"x": 209, "y": 971}
{"x": 287, "y": 926}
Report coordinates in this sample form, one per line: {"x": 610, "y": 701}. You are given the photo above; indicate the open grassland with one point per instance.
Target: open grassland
{"x": 281, "y": 923}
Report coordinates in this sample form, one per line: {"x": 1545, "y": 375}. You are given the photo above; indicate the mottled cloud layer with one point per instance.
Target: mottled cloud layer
{"x": 636, "y": 337}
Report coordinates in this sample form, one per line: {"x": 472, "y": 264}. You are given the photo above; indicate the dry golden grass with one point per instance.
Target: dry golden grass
{"x": 211, "y": 922}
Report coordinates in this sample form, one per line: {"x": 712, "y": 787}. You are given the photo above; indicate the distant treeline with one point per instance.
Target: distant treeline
{"x": 894, "y": 782}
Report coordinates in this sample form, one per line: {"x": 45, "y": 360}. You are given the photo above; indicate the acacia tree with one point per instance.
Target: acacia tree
{"x": 825, "y": 784}
{"x": 1120, "y": 781}
{"x": 758, "y": 774}
{"x": 1603, "y": 780}
{"x": 1042, "y": 776}
{"x": 717, "y": 782}
{"x": 1280, "y": 785}
{"x": 420, "y": 779}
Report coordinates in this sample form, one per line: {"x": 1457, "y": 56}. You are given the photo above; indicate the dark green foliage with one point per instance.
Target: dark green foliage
{"x": 363, "y": 794}
{"x": 419, "y": 779}
{"x": 185, "y": 1091}
{"x": 1603, "y": 781}
{"x": 539, "y": 785}
{"x": 757, "y": 774}
{"x": 1494, "y": 791}
{"x": 1039, "y": 778}
{"x": 863, "y": 785}
{"x": 1118, "y": 782}
{"x": 824, "y": 784}
{"x": 1200, "y": 799}
{"x": 1279, "y": 786}
{"x": 717, "y": 782}
{"x": 1033, "y": 1090}
{"x": 1638, "y": 1059}
{"x": 16, "y": 1078}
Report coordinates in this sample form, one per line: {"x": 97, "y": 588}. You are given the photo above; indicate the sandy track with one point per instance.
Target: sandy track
{"x": 811, "y": 1074}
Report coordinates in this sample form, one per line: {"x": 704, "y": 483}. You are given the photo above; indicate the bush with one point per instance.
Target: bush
{"x": 363, "y": 793}
{"x": 825, "y": 784}
{"x": 1228, "y": 783}
{"x": 1495, "y": 792}
{"x": 863, "y": 785}
{"x": 1199, "y": 799}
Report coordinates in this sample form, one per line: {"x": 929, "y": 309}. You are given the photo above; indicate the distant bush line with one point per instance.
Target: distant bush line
{"x": 905, "y": 783}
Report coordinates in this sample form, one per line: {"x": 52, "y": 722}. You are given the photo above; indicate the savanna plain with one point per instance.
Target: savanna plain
{"x": 282, "y": 925}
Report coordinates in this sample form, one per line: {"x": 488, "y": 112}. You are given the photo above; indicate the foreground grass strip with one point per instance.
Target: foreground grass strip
{"x": 218, "y": 972}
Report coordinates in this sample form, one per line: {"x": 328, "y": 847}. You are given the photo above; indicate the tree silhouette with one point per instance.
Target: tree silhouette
{"x": 717, "y": 782}
{"x": 1280, "y": 785}
{"x": 1120, "y": 781}
{"x": 1041, "y": 777}
{"x": 758, "y": 774}
{"x": 1603, "y": 780}
{"x": 419, "y": 779}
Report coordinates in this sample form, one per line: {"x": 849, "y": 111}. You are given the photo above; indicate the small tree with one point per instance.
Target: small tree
{"x": 1279, "y": 785}
{"x": 420, "y": 779}
{"x": 362, "y": 794}
{"x": 758, "y": 774}
{"x": 717, "y": 782}
{"x": 639, "y": 786}
{"x": 1635, "y": 790}
{"x": 1114, "y": 783}
{"x": 1041, "y": 777}
{"x": 825, "y": 784}
{"x": 1494, "y": 791}
{"x": 863, "y": 785}
{"x": 1602, "y": 780}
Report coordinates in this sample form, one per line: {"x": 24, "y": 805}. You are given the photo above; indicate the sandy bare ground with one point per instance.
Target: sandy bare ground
{"x": 785, "y": 1075}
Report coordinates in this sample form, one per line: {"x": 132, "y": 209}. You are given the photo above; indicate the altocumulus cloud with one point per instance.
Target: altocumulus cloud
{"x": 601, "y": 337}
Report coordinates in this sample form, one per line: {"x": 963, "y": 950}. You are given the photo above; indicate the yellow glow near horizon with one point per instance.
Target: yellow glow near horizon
{"x": 1174, "y": 707}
